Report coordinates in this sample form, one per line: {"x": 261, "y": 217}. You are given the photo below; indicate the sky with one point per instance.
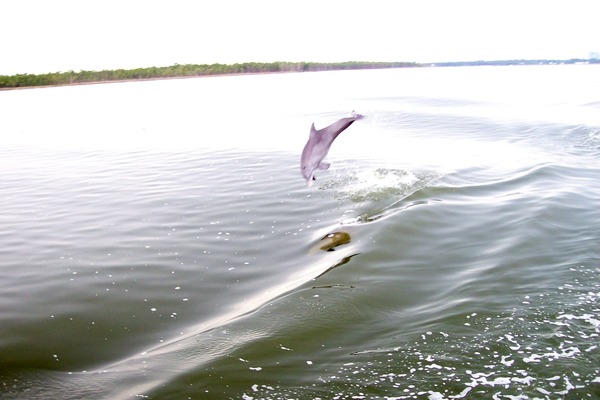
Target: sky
{"x": 38, "y": 36}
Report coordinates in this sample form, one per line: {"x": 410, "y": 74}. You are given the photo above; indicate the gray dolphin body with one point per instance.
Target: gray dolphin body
{"x": 318, "y": 146}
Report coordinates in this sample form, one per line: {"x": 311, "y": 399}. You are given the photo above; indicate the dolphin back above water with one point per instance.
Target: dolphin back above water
{"x": 318, "y": 146}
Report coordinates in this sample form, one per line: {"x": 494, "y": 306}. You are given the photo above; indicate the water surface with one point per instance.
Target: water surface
{"x": 158, "y": 240}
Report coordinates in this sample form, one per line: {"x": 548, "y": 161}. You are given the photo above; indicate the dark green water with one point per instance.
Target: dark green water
{"x": 158, "y": 241}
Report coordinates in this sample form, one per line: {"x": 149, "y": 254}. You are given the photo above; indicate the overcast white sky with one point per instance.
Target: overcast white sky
{"x": 59, "y": 35}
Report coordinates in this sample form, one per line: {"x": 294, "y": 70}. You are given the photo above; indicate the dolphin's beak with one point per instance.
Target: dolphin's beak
{"x": 310, "y": 178}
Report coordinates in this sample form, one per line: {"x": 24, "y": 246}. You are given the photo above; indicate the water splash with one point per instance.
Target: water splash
{"x": 377, "y": 191}
{"x": 372, "y": 184}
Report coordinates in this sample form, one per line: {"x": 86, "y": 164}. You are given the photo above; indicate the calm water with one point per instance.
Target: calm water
{"x": 158, "y": 241}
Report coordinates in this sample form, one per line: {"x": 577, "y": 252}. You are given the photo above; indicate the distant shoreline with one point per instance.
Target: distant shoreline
{"x": 515, "y": 62}
{"x": 99, "y": 82}
{"x": 177, "y": 71}
{"x": 183, "y": 71}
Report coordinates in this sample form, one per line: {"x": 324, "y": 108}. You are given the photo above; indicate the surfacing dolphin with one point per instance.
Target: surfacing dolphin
{"x": 318, "y": 146}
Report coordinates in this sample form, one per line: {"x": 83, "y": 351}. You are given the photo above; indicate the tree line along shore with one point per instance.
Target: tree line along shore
{"x": 187, "y": 70}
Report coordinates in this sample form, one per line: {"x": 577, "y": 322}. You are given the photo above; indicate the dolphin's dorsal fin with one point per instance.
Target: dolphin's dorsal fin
{"x": 313, "y": 131}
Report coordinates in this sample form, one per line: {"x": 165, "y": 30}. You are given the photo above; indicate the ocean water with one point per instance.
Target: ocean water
{"x": 157, "y": 240}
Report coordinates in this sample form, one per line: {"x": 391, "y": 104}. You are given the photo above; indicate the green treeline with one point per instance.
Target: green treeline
{"x": 187, "y": 70}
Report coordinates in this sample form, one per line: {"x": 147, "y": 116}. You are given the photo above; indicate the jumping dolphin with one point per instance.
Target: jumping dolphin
{"x": 318, "y": 145}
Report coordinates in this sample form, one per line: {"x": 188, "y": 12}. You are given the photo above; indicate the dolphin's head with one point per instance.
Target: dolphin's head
{"x": 308, "y": 173}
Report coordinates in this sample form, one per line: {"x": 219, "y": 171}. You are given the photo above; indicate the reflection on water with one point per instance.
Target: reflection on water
{"x": 341, "y": 262}
{"x": 158, "y": 247}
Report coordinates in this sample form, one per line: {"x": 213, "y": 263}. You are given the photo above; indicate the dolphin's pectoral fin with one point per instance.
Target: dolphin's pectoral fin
{"x": 324, "y": 165}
